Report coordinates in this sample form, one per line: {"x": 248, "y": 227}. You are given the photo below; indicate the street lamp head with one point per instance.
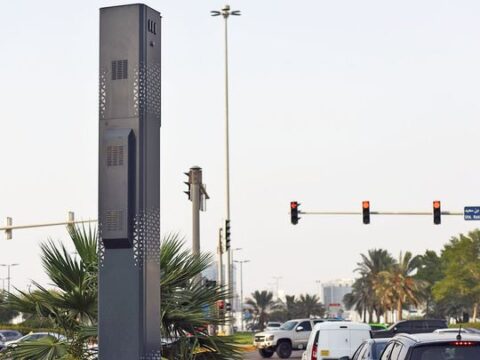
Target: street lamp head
{"x": 225, "y": 12}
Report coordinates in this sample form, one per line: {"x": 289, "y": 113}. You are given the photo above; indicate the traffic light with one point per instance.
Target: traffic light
{"x": 294, "y": 212}
{"x": 437, "y": 213}
{"x": 188, "y": 183}
{"x": 366, "y": 212}
{"x": 227, "y": 234}
{"x": 221, "y": 305}
{"x": 228, "y": 306}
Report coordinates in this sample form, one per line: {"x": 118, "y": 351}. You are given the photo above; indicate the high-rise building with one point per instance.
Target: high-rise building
{"x": 332, "y": 296}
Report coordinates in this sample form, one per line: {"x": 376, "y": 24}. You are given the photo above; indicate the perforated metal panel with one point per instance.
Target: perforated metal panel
{"x": 147, "y": 89}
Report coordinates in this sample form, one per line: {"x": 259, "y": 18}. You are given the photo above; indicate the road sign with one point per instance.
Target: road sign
{"x": 471, "y": 213}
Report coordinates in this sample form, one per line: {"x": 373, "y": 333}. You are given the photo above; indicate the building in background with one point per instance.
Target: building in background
{"x": 332, "y": 294}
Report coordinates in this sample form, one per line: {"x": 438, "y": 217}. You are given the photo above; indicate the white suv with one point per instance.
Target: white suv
{"x": 292, "y": 335}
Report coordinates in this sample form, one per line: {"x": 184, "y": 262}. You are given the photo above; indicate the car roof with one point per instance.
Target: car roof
{"x": 436, "y": 337}
{"x": 378, "y": 340}
{"x": 342, "y": 325}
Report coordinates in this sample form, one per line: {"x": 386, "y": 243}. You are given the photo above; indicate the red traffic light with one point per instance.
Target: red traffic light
{"x": 366, "y": 212}
{"x": 294, "y": 212}
{"x": 437, "y": 213}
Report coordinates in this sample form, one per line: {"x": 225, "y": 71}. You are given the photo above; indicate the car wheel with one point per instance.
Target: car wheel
{"x": 284, "y": 350}
{"x": 265, "y": 353}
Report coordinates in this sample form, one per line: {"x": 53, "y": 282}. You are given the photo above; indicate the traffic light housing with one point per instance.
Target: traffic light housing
{"x": 366, "y": 212}
{"x": 437, "y": 213}
{"x": 188, "y": 183}
{"x": 228, "y": 306}
{"x": 227, "y": 234}
{"x": 294, "y": 212}
{"x": 221, "y": 305}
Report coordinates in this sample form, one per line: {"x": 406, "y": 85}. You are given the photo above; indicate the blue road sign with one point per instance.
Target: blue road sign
{"x": 471, "y": 213}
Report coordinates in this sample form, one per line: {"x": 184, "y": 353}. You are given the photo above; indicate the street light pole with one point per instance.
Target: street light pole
{"x": 277, "y": 282}
{"x": 241, "y": 262}
{"x": 8, "y": 276}
{"x": 226, "y": 12}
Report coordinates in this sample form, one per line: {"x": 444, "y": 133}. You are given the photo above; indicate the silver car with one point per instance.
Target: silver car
{"x": 370, "y": 349}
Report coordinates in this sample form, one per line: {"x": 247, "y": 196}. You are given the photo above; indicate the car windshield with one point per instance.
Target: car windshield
{"x": 461, "y": 350}
{"x": 377, "y": 349}
{"x": 273, "y": 325}
{"x": 289, "y": 325}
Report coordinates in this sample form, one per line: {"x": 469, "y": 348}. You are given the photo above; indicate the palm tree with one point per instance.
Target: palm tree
{"x": 187, "y": 306}
{"x": 370, "y": 267}
{"x": 399, "y": 283}
{"x": 71, "y": 305}
{"x": 360, "y": 298}
{"x": 291, "y": 306}
{"x": 262, "y": 303}
{"x": 309, "y": 305}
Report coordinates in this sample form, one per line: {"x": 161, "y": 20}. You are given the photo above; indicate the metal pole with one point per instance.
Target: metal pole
{"x": 8, "y": 266}
{"x": 241, "y": 289}
{"x": 196, "y": 181}
{"x": 220, "y": 265}
{"x": 225, "y": 12}
{"x": 227, "y": 175}
{"x": 241, "y": 293}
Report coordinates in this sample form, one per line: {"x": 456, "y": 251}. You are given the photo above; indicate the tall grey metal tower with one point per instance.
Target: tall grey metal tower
{"x": 129, "y": 183}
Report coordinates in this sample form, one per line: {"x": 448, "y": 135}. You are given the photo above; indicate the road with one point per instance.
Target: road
{"x": 256, "y": 356}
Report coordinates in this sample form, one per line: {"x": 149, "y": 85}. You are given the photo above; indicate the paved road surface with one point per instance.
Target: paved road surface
{"x": 256, "y": 356}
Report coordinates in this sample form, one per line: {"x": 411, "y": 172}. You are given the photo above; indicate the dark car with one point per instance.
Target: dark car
{"x": 410, "y": 327}
{"x": 432, "y": 347}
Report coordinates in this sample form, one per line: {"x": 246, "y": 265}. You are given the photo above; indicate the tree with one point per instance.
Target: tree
{"x": 71, "y": 305}
{"x": 461, "y": 266}
{"x": 400, "y": 284}
{"x": 262, "y": 303}
{"x": 430, "y": 272}
{"x": 309, "y": 305}
{"x": 360, "y": 299}
{"x": 6, "y": 315}
{"x": 372, "y": 264}
{"x": 187, "y": 307}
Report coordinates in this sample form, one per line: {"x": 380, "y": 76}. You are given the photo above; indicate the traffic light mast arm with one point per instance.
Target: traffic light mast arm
{"x": 429, "y": 213}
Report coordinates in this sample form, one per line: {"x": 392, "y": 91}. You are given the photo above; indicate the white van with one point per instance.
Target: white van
{"x": 333, "y": 340}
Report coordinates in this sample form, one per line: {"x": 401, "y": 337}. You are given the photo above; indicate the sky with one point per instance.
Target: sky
{"x": 331, "y": 103}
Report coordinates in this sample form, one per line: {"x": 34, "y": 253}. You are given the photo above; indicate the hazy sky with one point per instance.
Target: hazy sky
{"x": 332, "y": 103}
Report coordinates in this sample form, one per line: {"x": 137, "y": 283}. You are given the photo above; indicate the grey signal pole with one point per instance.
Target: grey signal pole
{"x": 226, "y": 12}
{"x": 198, "y": 195}
{"x": 129, "y": 183}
